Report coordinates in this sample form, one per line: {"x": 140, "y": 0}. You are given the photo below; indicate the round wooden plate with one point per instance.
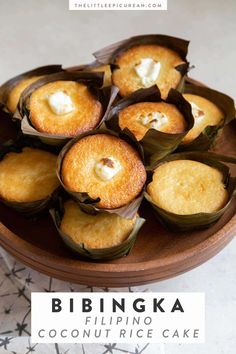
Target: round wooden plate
{"x": 158, "y": 254}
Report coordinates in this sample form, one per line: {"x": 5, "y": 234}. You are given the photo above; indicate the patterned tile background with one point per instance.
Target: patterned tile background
{"x": 16, "y": 284}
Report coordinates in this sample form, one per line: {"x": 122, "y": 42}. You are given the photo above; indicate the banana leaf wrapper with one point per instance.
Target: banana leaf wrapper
{"x": 94, "y": 66}
{"x": 156, "y": 144}
{"x": 176, "y": 222}
{"x": 9, "y": 85}
{"x": 225, "y": 103}
{"x": 28, "y": 209}
{"x": 97, "y": 254}
{"x": 89, "y": 205}
{"x": 94, "y": 82}
{"x": 109, "y": 54}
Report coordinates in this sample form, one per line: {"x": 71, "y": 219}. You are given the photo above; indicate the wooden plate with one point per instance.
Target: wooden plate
{"x": 158, "y": 254}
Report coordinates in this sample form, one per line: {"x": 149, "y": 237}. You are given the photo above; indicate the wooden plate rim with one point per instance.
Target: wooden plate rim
{"x": 227, "y": 232}
{"x": 102, "y": 280}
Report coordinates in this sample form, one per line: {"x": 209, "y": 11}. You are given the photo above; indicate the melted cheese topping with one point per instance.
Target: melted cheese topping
{"x": 142, "y": 116}
{"x": 86, "y": 114}
{"x": 205, "y": 113}
{"x": 78, "y": 173}
{"x": 154, "y": 120}
{"x": 107, "y": 168}
{"x": 148, "y": 71}
{"x": 60, "y": 103}
{"x": 197, "y": 112}
{"x": 126, "y": 78}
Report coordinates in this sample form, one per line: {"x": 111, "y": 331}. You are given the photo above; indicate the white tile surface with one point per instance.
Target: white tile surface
{"x": 38, "y": 32}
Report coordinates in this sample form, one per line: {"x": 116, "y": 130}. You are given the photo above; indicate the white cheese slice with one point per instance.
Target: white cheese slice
{"x": 197, "y": 112}
{"x": 60, "y": 103}
{"x": 107, "y": 168}
{"x": 154, "y": 120}
{"x": 148, "y": 71}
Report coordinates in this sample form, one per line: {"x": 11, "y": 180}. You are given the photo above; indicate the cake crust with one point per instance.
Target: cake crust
{"x": 85, "y": 116}
{"x": 78, "y": 171}
{"x": 212, "y": 116}
{"x": 102, "y": 230}
{"x": 16, "y": 92}
{"x": 125, "y": 76}
{"x": 28, "y": 176}
{"x": 130, "y": 117}
{"x": 187, "y": 187}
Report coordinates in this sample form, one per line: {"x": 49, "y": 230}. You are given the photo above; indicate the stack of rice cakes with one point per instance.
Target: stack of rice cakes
{"x": 95, "y": 139}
